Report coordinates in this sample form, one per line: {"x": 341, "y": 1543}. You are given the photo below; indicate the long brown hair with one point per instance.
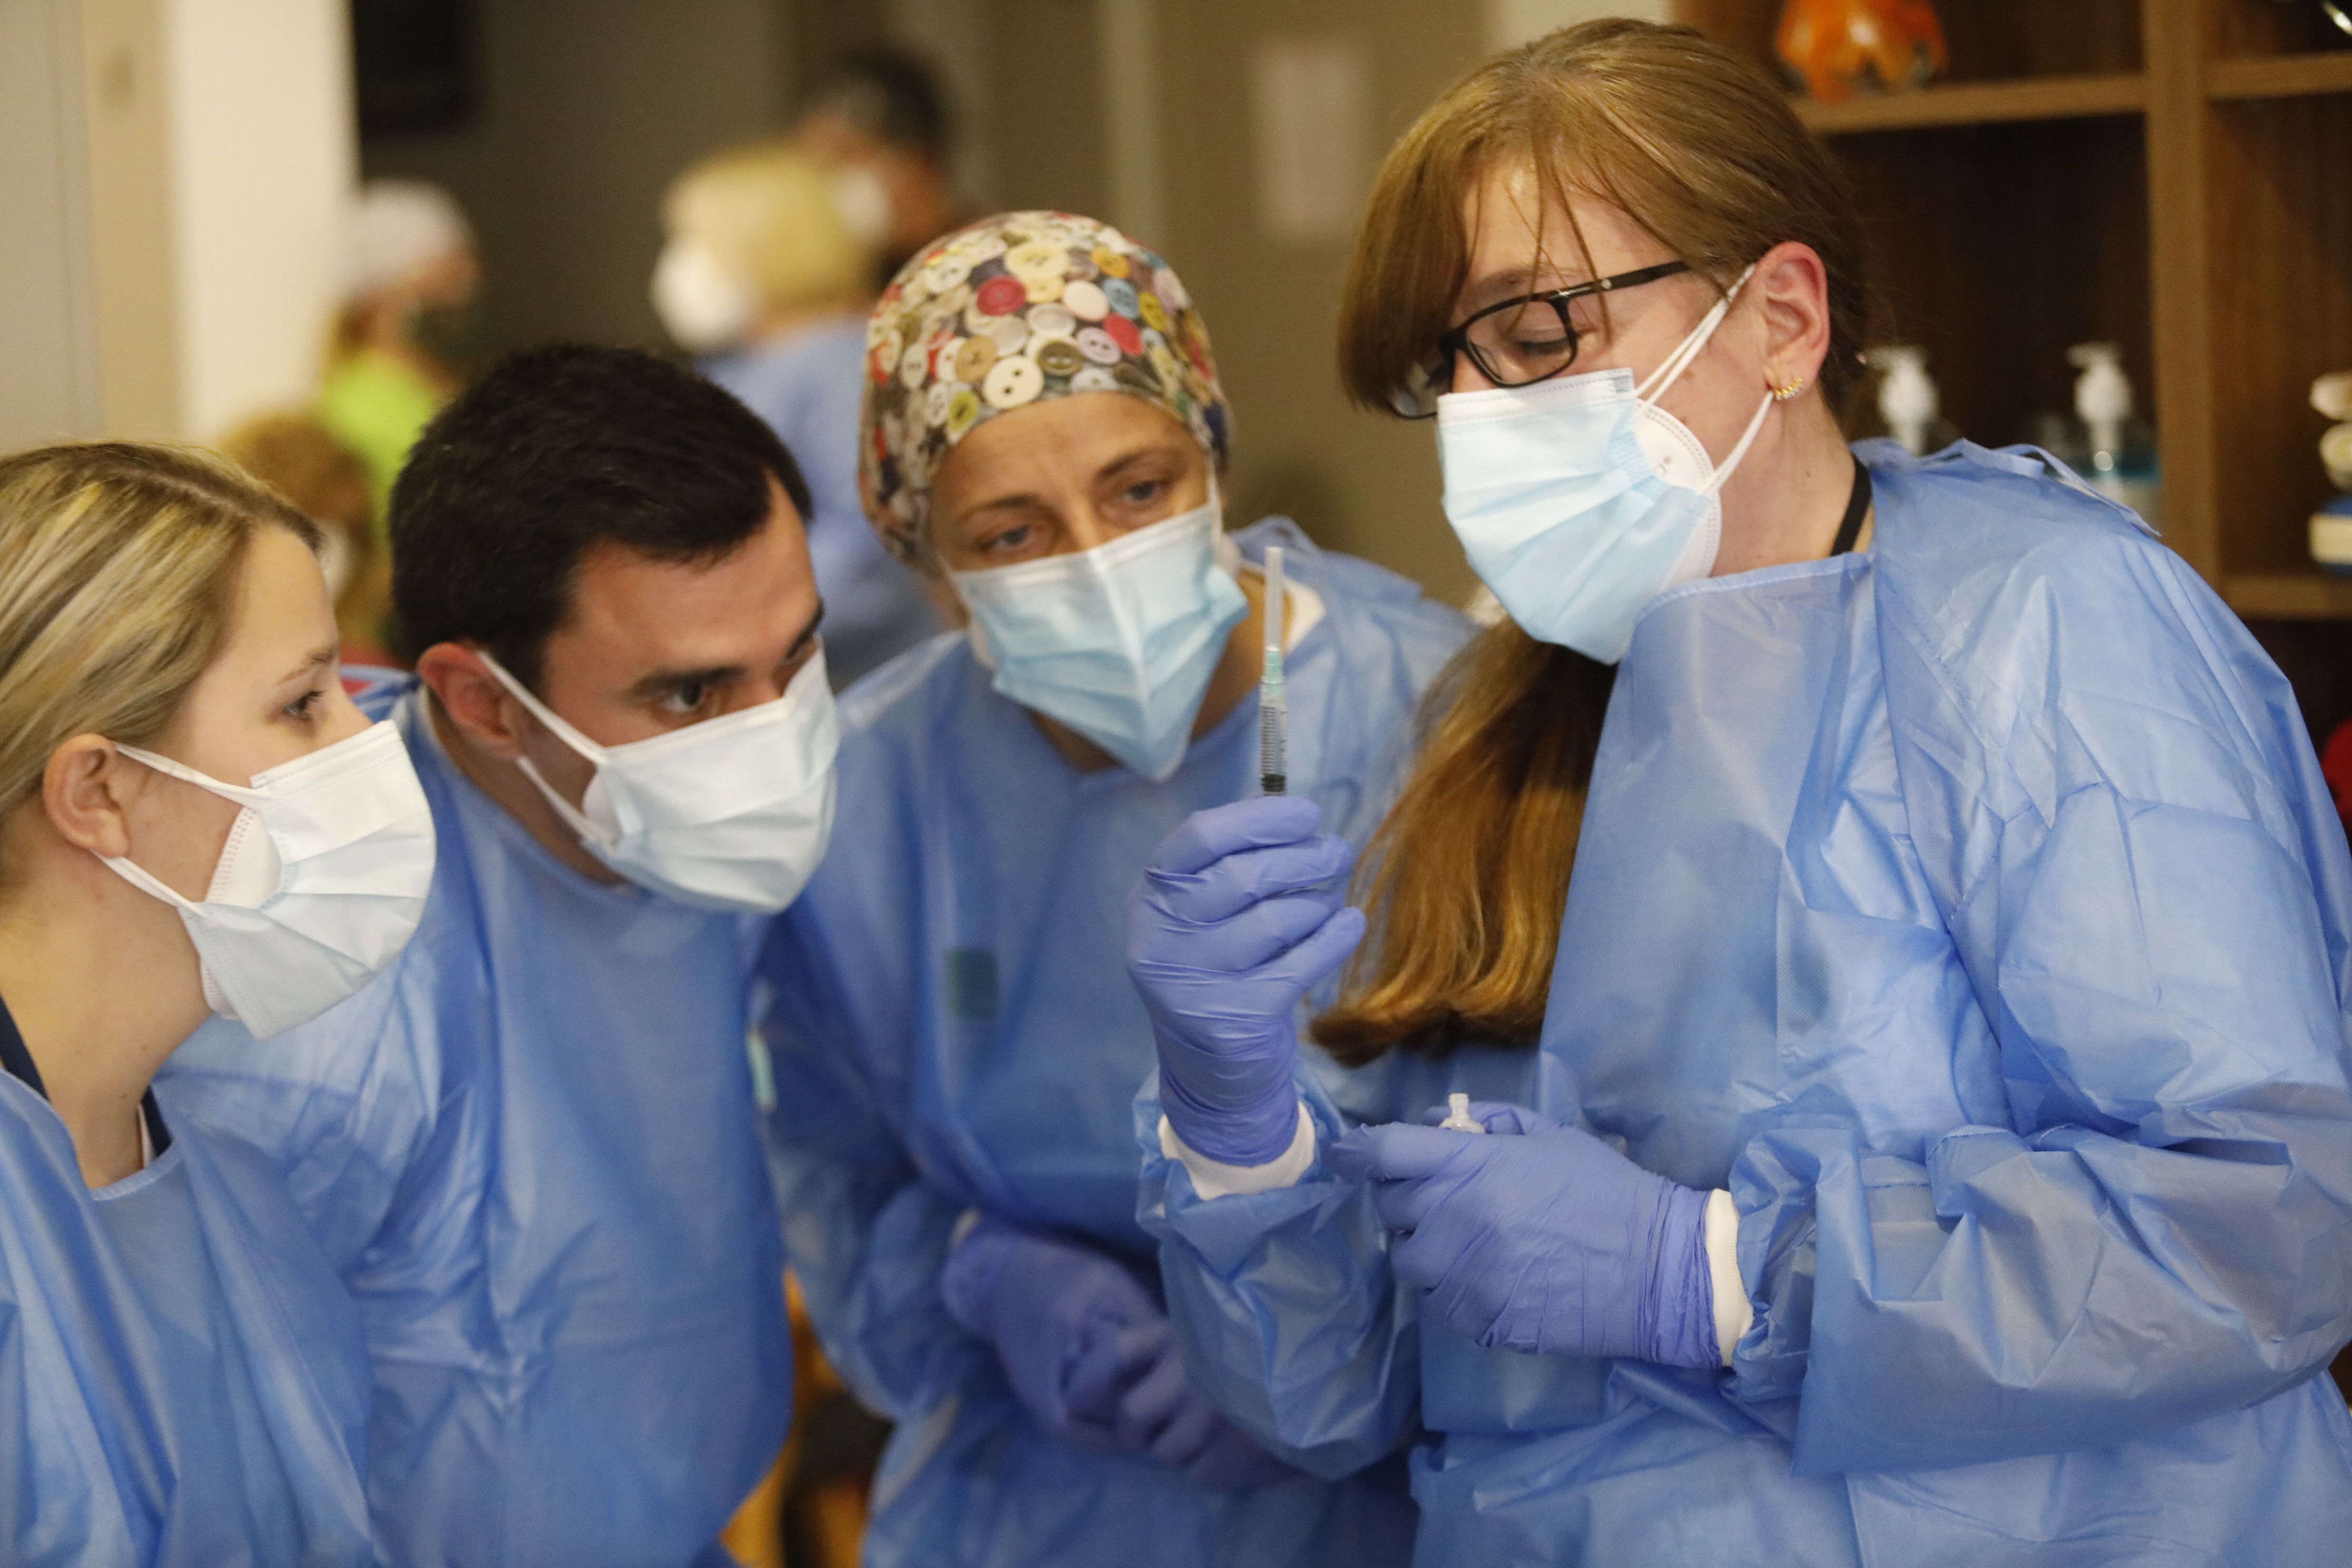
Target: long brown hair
{"x": 1466, "y": 879}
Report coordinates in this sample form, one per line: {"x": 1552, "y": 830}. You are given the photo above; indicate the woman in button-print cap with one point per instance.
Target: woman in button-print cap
{"x": 955, "y": 1045}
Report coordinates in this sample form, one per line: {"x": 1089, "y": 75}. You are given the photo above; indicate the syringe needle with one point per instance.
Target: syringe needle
{"x": 1273, "y": 702}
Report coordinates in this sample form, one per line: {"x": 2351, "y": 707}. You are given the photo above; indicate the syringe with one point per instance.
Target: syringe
{"x": 1273, "y": 703}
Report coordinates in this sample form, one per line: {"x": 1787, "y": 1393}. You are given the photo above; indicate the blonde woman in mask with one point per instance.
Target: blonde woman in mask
{"x": 765, "y": 278}
{"x": 1939, "y": 1148}
{"x": 955, "y": 1041}
{"x": 193, "y": 820}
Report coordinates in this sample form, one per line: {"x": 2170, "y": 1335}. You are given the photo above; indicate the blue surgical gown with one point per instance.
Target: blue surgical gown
{"x": 952, "y": 1028}
{"x": 808, "y": 386}
{"x": 182, "y": 1381}
{"x": 1974, "y": 912}
{"x": 531, "y": 1147}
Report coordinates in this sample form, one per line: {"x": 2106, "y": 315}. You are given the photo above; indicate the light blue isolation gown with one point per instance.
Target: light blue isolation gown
{"x": 1974, "y": 910}
{"x": 531, "y": 1147}
{"x": 183, "y": 1384}
{"x": 808, "y": 386}
{"x": 953, "y": 1028}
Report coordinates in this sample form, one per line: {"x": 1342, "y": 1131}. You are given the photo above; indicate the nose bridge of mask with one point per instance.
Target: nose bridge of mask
{"x": 1100, "y": 570}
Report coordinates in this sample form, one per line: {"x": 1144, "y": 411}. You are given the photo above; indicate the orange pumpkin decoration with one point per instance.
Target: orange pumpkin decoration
{"x": 1835, "y": 48}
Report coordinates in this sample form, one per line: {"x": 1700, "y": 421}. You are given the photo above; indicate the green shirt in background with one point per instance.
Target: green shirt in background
{"x": 377, "y": 405}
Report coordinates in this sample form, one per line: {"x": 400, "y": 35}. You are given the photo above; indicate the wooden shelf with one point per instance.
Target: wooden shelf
{"x": 2313, "y": 595}
{"x": 2287, "y": 75}
{"x": 1978, "y": 103}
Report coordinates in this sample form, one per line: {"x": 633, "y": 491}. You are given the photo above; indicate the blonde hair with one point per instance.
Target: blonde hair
{"x": 1470, "y": 869}
{"x": 299, "y": 457}
{"x": 768, "y": 211}
{"x": 118, "y": 566}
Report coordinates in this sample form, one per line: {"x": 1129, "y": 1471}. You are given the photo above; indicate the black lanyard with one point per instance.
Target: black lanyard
{"x": 18, "y": 1062}
{"x": 1857, "y": 507}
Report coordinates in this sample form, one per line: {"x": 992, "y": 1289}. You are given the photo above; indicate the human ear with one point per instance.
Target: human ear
{"x": 83, "y": 793}
{"x": 1792, "y": 289}
{"x": 485, "y": 713}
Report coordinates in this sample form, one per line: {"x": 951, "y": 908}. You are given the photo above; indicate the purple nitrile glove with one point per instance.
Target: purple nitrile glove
{"x": 1234, "y": 924}
{"x": 1051, "y": 1308}
{"x": 1541, "y": 1238}
{"x": 1155, "y": 1410}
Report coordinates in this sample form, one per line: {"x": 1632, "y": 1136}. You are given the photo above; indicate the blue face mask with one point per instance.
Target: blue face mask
{"x": 1579, "y": 501}
{"x": 1118, "y": 642}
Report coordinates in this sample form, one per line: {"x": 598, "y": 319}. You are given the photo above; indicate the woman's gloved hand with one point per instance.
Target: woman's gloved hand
{"x": 1090, "y": 1355}
{"x": 1049, "y": 1307}
{"x": 1233, "y": 925}
{"x": 1155, "y": 1410}
{"x": 1542, "y": 1238}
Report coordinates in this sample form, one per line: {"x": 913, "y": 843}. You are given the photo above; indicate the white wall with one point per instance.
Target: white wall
{"x": 174, "y": 175}
{"x": 48, "y": 345}
{"x": 263, "y": 154}
{"x": 588, "y": 109}
{"x": 1512, "y": 22}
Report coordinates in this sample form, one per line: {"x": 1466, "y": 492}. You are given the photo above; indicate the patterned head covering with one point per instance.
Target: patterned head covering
{"x": 1017, "y": 308}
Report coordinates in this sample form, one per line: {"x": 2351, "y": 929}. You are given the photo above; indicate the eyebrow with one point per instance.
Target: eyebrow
{"x": 320, "y": 658}
{"x": 1116, "y": 465}
{"x": 662, "y": 683}
{"x": 1519, "y": 283}
{"x": 1031, "y": 497}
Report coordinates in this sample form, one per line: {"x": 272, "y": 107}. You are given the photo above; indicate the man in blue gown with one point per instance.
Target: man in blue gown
{"x": 531, "y": 1145}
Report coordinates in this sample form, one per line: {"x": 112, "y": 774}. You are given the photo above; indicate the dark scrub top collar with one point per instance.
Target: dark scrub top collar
{"x": 20, "y": 1066}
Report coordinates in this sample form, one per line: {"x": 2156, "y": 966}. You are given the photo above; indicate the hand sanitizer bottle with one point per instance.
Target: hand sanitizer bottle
{"x": 2122, "y": 465}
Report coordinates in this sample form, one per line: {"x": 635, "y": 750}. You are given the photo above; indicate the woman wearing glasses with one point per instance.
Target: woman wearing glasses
{"x": 1941, "y": 1146}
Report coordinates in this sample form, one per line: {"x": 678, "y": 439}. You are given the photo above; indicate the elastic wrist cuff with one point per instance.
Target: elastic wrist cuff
{"x": 1215, "y": 1179}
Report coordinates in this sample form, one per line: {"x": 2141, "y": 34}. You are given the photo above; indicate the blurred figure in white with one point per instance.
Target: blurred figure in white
{"x": 879, "y": 120}
{"x": 412, "y": 282}
{"x": 764, "y": 278}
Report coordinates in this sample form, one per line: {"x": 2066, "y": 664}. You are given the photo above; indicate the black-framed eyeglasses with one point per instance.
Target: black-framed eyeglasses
{"x": 1518, "y": 341}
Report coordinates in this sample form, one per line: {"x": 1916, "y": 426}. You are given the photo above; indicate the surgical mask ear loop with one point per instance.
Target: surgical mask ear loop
{"x": 579, "y": 821}
{"x": 1681, "y": 359}
{"x": 1694, "y": 344}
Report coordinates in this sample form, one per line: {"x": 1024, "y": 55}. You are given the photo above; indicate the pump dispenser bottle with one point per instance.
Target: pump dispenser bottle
{"x": 1906, "y": 396}
{"x": 2121, "y": 455}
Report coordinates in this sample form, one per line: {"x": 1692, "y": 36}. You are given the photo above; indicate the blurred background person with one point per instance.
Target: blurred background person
{"x": 296, "y": 455}
{"x": 763, "y": 274}
{"x": 412, "y": 283}
{"x": 879, "y": 117}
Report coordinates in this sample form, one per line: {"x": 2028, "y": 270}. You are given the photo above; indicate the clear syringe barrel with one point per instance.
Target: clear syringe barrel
{"x": 1273, "y": 702}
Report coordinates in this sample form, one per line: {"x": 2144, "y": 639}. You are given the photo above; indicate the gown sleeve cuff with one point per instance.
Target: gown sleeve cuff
{"x": 1215, "y": 1179}
{"x": 1733, "y": 1311}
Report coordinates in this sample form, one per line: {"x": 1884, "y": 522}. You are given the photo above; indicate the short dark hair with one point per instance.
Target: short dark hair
{"x": 555, "y": 450}
{"x": 889, "y": 95}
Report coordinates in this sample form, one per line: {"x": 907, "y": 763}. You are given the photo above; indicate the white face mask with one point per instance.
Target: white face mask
{"x": 864, "y": 203}
{"x": 701, "y": 303}
{"x": 320, "y": 886}
{"x": 731, "y": 814}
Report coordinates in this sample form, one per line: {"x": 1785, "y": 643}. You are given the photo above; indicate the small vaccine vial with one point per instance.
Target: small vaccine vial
{"x": 1458, "y": 1118}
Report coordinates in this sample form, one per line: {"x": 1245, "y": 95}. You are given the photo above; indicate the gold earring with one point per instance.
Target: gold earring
{"x": 1782, "y": 394}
